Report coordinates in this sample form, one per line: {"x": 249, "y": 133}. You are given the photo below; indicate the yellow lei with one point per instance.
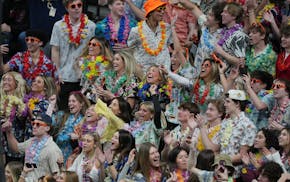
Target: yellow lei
{"x": 12, "y": 101}
{"x": 211, "y": 133}
{"x": 264, "y": 10}
{"x": 227, "y": 133}
{"x": 145, "y": 43}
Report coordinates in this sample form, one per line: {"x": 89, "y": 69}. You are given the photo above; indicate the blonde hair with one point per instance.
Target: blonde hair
{"x": 20, "y": 90}
{"x": 129, "y": 62}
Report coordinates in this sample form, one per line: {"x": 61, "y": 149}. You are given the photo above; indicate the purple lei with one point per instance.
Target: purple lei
{"x": 226, "y": 33}
{"x": 86, "y": 129}
{"x": 31, "y": 95}
{"x": 33, "y": 151}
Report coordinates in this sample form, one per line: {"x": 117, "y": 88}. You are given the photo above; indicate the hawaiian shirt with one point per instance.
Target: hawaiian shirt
{"x": 264, "y": 61}
{"x": 179, "y": 135}
{"x": 48, "y": 68}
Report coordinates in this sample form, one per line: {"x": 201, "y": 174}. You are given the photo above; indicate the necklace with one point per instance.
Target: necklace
{"x": 80, "y": 33}
{"x": 28, "y": 72}
{"x": 110, "y": 77}
{"x": 33, "y": 151}
{"x": 206, "y": 37}
{"x": 282, "y": 63}
{"x": 227, "y": 33}
{"x": 212, "y": 131}
{"x": 197, "y": 90}
{"x": 92, "y": 68}
{"x": 145, "y": 44}
{"x": 182, "y": 176}
{"x": 10, "y": 106}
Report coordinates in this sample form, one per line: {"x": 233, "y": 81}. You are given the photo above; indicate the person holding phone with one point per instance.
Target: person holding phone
{"x": 41, "y": 152}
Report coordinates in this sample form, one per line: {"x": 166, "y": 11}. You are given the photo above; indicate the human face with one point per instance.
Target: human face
{"x": 175, "y": 63}
{"x": 39, "y": 128}
{"x": 181, "y": 160}
{"x": 154, "y": 157}
{"x": 230, "y": 106}
{"x": 279, "y": 89}
{"x": 256, "y": 37}
{"x": 114, "y": 106}
{"x": 263, "y": 178}
{"x": 153, "y": 75}
{"x": 227, "y": 18}
{"x": 117, "y": 8}
{"x": 257, "y": 85}
{"x": 115, "y": 141}
{"x": 91, "y": 115}
{"x": 205, "y": 69}
{"x": 212, "y": 113}
{"x": 144, "y": 114}
{"x": 118, "y": 63}
{"x": 74, "y": 104}
{"x": 284, "y": 138}
{"x": 9, "y": 84}
{"x": 8, "y": 174}
{"x": 285, "y": 41}
{"x": 157, "y": 14}
{"x": 75, "y": 9}
{"x": 183, "y": 115}
{"x": 88, "y": 143}
{"x": 33, "y": 44}
{"x": 94, "y": 48}
{"x": 38, "y": 85}
{"x": 210, "y": 19}
{"x": 260, "y": 140}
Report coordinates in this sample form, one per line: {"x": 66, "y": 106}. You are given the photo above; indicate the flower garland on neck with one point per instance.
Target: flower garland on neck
{"x": 10, "y": 106}
{"x": 91, "y": 68}
{"x": 110, "y": 77}
{"x": 27, "y": 72}
{"x": 283, "y": 63}
{"x": 226, "y": 33}
{"x": 227, "y": 133}
{"x": 112, "y": 35}
{"x": 196, "y": 91}
{"x": 145, "y": 94}
{"x": 155, "y": 175}
{"x": 33, "y": 151}
{"x": 32, "y": 100}
{"x": 145, "y": 44}
{"x": 211, "y": 133}
{"x": 261, "y": 13}
{"x": 261, "y": 94}
{"x": 80, "y": 33}
{"x": 182, "y": 176}
{"x": 206, "y": 37}
{"x": 279, "y": 111}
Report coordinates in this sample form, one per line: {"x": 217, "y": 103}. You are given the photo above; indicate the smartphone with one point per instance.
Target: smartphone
{"x": 243, "y": 70}
{"x": 30, "y": 165}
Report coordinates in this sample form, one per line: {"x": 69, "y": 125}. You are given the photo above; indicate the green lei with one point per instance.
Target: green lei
{"x": 110, "y": 79}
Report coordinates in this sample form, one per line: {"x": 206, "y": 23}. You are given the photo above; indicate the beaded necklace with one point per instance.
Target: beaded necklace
{"x": 33, "y": 151}
{"x": 197, "y": 91}
{"x": 227, "y": 33}
{"x": 28, "y": 73}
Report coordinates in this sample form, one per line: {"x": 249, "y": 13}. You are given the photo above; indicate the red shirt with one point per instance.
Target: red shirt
{"x": 283, "y": 66}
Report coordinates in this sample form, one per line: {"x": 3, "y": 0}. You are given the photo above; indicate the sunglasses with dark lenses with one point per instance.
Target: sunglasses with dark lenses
{"x": 254, "y": 80}
{"x": 38, "y": 123}
{"x": 278, "y": 86}
{"x": 32, "y": 39}
{"x": 94, "y": 44}
{"x": 161, "y": 8}
{"x": 73, "y": 6}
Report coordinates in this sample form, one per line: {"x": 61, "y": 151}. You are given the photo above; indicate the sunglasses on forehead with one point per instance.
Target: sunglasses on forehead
{"x": 74, "y": 6}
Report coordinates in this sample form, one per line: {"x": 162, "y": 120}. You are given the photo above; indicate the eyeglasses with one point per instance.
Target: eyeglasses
{"x": 94, "y": 44}
{"x": 254, "y": 80}
{"x": 32, "y": 39}
{"x": 38, "y": 123}
{"x": 259, "y": 26}
{"x": 278, "y": 85}
{"x": 161, "y": 8}
{"x": 73, "y": 6}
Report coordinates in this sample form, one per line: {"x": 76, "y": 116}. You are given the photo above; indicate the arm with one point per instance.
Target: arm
{"x": 208, "y": 144}
{"x": 233, "y": 60}
{"x": 55, "y": 56}
{"x": 179, "y": 79}
{"x": 138, "y": 12}
{"x": 3, "y": 50}
{"x": 12, "y": 142}
{"x": 191, "y": 6}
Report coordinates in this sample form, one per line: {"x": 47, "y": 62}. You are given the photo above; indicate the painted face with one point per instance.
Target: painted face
{"x": 118, "y": 63}
{"x": 256, "y": 37}
{"x": 260, "y": 140}
{"x": 183, "y": 115}
{"x": 9, "y": 84}
{"x": 181, "y": 160}
{"x": 284, "y": 138}
{"x": 144, "y": 114}
{"x": 114, "y": 106}
{"x": 115, "y": 141}
{"x": 75, "y": 9}
{"x": 94, "y": 47}
{"x": 212, "y": 113}
{"x": 153, "y": 75}
{"x": 37, "y": 85}
{"x": 91, "y": 115}
{"x": 227, "y": 18}
{"x": 117, "y": 8}
{"x": 230, "y": 106}
{"x": 285, "y": 41}
{"x": 88, "y": 143}
{"x": 74, "y": 105}
{"x": 206, "y": 68}
{"x": 33, "y": 43}
{"x": 154, "y": 157}
{"x": 279, "y": 89}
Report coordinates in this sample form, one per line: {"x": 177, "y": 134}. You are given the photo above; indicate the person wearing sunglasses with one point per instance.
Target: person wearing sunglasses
{"x": 258, "y": 85}
{"x": 116, "y": 27}
{"x": 32, "y": 62}
{"x": 41, "y": 152}
{"x": 69, "y": 37}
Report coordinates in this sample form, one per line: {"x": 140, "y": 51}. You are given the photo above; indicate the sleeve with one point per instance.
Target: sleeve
{"x": 275, "y": 157}
{"x": 52, "y": 160}
{"x": 201, "y": 20}
{"x": 133, "y": 37}
{"x": 15, "y": 62}
{"x": 54, "y": 40}
{"x": 249, "y": 133}
{"x": 269, "y": 100}
{"x": 239, "y": 45}
{"x": 22, "y": 146}
{"x": 180, "y": 79}
{"x": 94, "y": 174}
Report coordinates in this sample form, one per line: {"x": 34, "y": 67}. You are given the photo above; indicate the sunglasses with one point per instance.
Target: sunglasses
{"x": 38, "y": 123}
{"x": 161, "y": 8}
{"x": 73, "y": 6}
{"x": 278, "y": 86}
{"x": 32, "y": 39}
{"x": 94, "y": 44}
{"x": 254, "y": 80}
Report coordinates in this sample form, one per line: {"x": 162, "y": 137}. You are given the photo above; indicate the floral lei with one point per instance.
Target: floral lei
{"x": 10, "y": 105}
{"x": 261, "y": 94}
{"x": 145, "y": 43}
{"x": 283, "y": 64}
{"x": 80, "y": 33}
{"x": 227, "y": 132}
{"x": 196, "y": 91}
{"x": 91, "y": 69}
{"x": 110, "y": 79}
{"x": 211, "y": 133}
{"x": 27, "y": 66}
{"x": 279, "y": 111}
{"x": 181, "y": 175}
{"x": 205, "y": 38}
{"x": 144, "y": 92}
{"x": 32, "y": 100}
{"x": 111, "y": 34}
{"x": 33, "y": 151}
{"x": 264, "y": 10}
{"x": 226, "y": 33}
